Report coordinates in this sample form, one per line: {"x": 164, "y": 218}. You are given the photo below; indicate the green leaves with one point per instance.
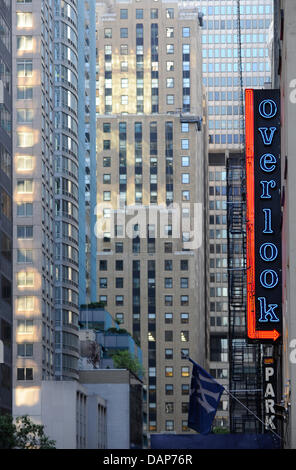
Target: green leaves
{"x": 23, "y": 434}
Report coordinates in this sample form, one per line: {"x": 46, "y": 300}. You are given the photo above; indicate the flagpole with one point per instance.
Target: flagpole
{"x": 242, "y": 404}
{"x": 248, "y": 409}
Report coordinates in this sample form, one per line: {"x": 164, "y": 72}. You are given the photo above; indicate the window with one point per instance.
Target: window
{"x": 106, "y": 162}
{"x": 107, "y": 180}
{"x": 124, "y": 83}
{"x": 119, "y": 283}
{"x": 170, "y": 66}
{"x": 186, "y": 32}
{"x": 123, "y": 14}
{"x": 168, "y": 335}
{"x": 24, "y": 139}
{"x": 184, "y": 282}
{"x": 170, "y": 99}
{"x": 25, "y": 279}
{"x": 139, "y": 13}
{"x": 124, "y": 32}
{"x": 103, "y": 283}
{"x": 168, "y": 265}
{"x": 184, "y": 407}
{"x": 184, "y": 336}
{"x": 185, "y": 178}
{"x": 24, "y": 326}
{"x": 185, "y": 371}
{"x": 119, "y": 265}
{"x": 169, "y": 389}
{"x": 25, "y": 303}
{"x": 169, "y": 372}
{"x": 103, "y": 265}
{"x": 170, "y": 48}
{"x": 184, "y": 264}
{"x": 170, "y": 13}
{"x": 25, "y": 350}
{"x": 24, "y": 373}
{"x": 119, "y": 300}
{"x": 24, "y": 93}
{"x": 185, "y": 389}
{"x": 24, "y": 43}
{"x": 170, "y": 83}
{"x": 169, "y": 425}
{"x": 168, "y": 300}
{"x": 108, "y": 33}
{"x": 103, "y": 299}
{"x": 185, "y": 144}
{"x": 24, "y": 209}
{"x": 170, "y": 32}
{"x": 24, "y": 255}
{"x": 24, "y": 19}
{"x": 185, "y": 161}
{"x": 169, "y": 407}
{"x": 186, "y": 195}
{"x": 24, "y": 186}
{"x": 168, "y": 354}
{"x": 184, "y": 317}
{"x": 124, "y": 66}
{"x": 107, "y": 195}
{"x": 124, "y": 49}
{"x": 124, "y": 99}
{"x": 119, "y": 247}
{"x": 24, "y": 68}
{"x": 185, "y": 127}
{"x": 168, "y": 317}
{"x": 154, "y": 13}
{"x": 24, "y": 162}
{"x": 168, "y": 283}
{"x": 120, "y": 317}
{"x": 25, "y": 232}
{"x": 168, "y": 247}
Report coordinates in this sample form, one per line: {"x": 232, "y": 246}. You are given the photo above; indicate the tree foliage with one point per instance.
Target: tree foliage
{"x": 23, "y": 434}
{"x": 123, "y": 359}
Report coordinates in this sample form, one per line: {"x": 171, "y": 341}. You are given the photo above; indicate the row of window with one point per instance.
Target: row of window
{"x": 226, "y": 138}
{"x": 233, "y": 81}
{"x": 170, "y": 13}
{"x": 168, "y": 265}
{"x": 232, "y": 24}
{"x": 230, "y": 53}
{"x": 215, "y": 67}
{"x": 168, "y": 300}
{"x": 232, "y": 10}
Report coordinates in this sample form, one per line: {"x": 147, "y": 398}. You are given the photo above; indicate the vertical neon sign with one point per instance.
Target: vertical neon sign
{"x": 263, "y": 173}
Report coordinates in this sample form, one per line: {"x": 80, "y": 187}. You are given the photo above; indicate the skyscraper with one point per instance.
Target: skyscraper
{"x": 45, "y": 185}
{"x": 150, "y": 154}
{"x": 6, "y": 210}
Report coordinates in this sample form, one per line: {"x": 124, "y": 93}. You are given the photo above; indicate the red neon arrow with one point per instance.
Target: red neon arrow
{"x": 251, "y": 310}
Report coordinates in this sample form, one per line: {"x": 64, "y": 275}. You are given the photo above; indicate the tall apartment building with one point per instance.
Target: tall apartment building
{"x": 221, "y": 49}
{"x": 150, "y": 154}
{"x": 45, "y": 186}
{"x": 6, "y": 209}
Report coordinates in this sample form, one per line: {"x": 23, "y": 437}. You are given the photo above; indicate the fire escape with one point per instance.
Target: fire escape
{"x": 245, "y": 359}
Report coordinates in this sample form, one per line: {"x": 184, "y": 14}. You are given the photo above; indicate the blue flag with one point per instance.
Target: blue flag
{"x": 204, "y": 400}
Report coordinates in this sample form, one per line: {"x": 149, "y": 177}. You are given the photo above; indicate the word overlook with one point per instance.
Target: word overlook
{"x": 263, "y": 172}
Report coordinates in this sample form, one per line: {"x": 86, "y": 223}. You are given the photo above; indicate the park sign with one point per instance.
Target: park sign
{"x": 263, "y": 215}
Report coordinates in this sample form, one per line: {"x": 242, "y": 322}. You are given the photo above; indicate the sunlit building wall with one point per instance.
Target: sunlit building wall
{"x": 6, "y": 209}
{"x": 33, "y": 193}
{"x": 150, "y": 153}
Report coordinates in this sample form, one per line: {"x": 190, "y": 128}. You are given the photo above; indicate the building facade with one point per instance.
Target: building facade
{"x": 150, "y": 155}
{"x": 45, "y": 185}
{"x": 6, "y": 209}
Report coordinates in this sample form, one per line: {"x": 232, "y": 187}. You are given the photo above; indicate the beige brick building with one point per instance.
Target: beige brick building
{"x": 151, "y": 154}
